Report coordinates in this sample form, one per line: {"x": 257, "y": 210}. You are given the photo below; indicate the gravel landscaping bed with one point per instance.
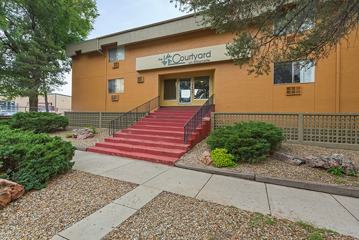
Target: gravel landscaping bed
{"x": 171, "y": 216}
{"x": 101, "y": 134}
{"x": 275, "y": 168}
{"x": 67, "y": 199}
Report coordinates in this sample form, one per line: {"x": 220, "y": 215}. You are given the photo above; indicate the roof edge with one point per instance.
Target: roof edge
{"x": 173, "y": 26}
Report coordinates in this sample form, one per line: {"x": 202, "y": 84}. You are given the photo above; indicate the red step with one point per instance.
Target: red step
{"x": 174, "y": 117}
{"x": 159, "y": 123}
{"x": 143, "y": 149}
{"x": 165, "y": 119}
{"x": 161, "y": 144}
{"x": 154, "y": 132}
{"x": 157, "y": 127}
{"x": 149, "y": 137}
{"x": 143, "y": 156}
{"x": 182, "y": 109}
{"x": 166, "y": 113}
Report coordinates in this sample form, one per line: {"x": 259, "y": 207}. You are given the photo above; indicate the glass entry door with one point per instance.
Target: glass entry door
{"x": 185, "y": 90}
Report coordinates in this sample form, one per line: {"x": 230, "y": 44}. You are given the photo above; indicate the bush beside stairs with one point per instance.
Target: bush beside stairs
{"x": 158, "y": 137}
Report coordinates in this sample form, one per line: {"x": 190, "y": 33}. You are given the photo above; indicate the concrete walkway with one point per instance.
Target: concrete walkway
{"x": 333, "y": 212}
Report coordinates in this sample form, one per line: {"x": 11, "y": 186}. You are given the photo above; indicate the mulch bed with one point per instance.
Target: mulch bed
{"x": 101, "y": 134}
{"x": 275, "y": 168}
{"x": 67, "y": 199}
{"x": 171, "y": 216}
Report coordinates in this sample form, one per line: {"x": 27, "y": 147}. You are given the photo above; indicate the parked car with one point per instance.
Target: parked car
{"x": 6, "y": 113}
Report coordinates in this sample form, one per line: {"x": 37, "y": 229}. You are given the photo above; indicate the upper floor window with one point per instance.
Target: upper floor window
{"x": 116, "y": 86}
{"x": 116, "y": 54}
{"x": 293, "y": 27}
{"x": 294, "y": 72}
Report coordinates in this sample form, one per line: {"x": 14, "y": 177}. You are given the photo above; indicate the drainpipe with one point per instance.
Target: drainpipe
{"x": 337, "y": 78}
{"x": 99, "y": 50}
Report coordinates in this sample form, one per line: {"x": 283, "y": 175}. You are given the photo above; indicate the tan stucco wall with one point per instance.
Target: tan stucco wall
{"x": 334, "y": 90}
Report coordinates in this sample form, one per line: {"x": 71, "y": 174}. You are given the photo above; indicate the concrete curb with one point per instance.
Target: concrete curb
{"x": 318, "y": 187}
{"x": 82, "y": 149}
{"x": 219, "y": 172}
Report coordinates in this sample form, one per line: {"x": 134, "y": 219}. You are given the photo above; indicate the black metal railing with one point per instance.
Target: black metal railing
{"x": 197, "y": 118}
{"x": 129, "y": 118}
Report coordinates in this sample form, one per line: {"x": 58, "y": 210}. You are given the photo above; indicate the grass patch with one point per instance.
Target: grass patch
{"x": 259, "y": 219}
{"x": 315, "y": 236}
{"x": 315, "y": 233}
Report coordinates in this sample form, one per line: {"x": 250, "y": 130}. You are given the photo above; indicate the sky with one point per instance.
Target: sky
{"x": 119, "y": 15}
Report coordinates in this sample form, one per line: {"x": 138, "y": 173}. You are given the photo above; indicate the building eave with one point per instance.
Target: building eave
{"x": 180, "y": 25}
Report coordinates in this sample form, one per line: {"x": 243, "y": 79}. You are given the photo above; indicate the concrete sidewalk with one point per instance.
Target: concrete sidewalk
{"x": 323, "y": 210}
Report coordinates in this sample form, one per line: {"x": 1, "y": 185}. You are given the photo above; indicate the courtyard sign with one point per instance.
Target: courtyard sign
{"x": 180, "y": 58}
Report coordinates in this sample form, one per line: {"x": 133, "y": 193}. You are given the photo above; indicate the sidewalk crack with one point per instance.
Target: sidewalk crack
{"x": 204, "y": 185}
{"x": 270, "y": 209}
{"x": 345, "y": 208}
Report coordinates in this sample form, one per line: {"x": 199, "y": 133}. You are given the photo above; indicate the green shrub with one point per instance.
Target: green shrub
{"x": 94, "y": 130}
{"x": 337, "y": 171}
{"x": 39, "y": 122}
{"x": 247, "y": 141}
{"x": 32, "y": 159}
{"x": 221, "y": 158}
{"x": 4, "y": 122}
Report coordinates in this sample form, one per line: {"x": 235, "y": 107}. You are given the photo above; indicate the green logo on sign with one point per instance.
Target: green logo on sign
{"x": 179, "y": 59}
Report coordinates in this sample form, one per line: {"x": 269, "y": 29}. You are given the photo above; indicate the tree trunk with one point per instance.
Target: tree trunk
{"x": 46, "y": 102}
{"x": 33, "y": 103}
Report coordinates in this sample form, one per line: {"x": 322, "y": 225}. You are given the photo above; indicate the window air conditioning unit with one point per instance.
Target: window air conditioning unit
{"x": 140, "y": 79}
{"x": 115, "y": 65}
{"x": 294, "y": 91}
{"x": 114, "y": 98}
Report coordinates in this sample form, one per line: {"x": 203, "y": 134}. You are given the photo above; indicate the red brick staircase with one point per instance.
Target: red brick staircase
{"x": 158, "y": 137}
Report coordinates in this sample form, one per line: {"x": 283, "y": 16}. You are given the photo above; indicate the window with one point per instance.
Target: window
{"x": 201, "y": 87}
{"x": 169, "y": 89}
{"x": 116, "y": 86}
{"x": 294, "y": 72}
{"x": 7, "y": 106}
{"x": 307, "y": 24}
{"x": 116, "y": 54}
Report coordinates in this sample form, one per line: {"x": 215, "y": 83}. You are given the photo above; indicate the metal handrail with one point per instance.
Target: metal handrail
{"x": 129, "y": 118}
{"x": 197, "y": 118}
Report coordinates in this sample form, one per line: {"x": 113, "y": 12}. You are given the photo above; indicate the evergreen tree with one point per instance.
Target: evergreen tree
{"x": 267, "y": 31}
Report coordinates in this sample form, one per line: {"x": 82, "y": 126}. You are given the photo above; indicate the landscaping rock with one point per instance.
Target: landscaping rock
{"x": 83, "y": 133}
{"x": 293, "y": 160}
{"x": 5, "y": 198}
{"x": 332, "y": 161}
{"x": 9, "y": 191}
{"x": 206, "y": 158}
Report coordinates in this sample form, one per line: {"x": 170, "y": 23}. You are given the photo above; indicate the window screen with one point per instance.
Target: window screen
{"x": 116, "y": 86}
{"x": 169, "y": 89}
